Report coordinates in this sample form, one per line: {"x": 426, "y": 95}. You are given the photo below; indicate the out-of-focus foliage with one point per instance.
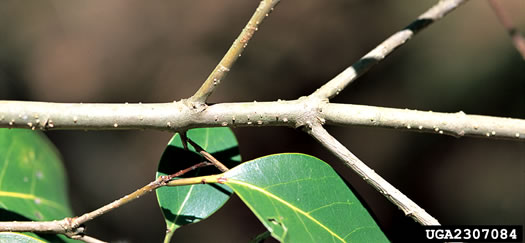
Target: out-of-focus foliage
{"x": 32, "y": 182}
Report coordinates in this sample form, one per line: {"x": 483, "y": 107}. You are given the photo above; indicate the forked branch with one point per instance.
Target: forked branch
{"x": 311, "y": 112}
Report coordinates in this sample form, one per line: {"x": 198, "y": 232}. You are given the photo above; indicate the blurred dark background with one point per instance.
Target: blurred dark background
{"x": 160, "y": 51}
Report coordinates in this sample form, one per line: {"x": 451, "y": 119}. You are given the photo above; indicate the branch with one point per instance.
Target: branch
{"x": 224, "y": 66}
{"x": 338, "y": 83}
{"x": 456, "y": 124}
{"x": 72, "y": 227}
{"x": 87, "y": 239}
{"x": 506, "y": 21}
{"x": 296, "y": 113}
{"x": 208, "y": 156}
{"x": 197, "y": 180}
{"x": 371, "y": 177}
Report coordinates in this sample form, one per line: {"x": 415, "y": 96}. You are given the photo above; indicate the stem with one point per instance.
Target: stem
{"x": 208, "y": 156}
{"x": 118, "y": 203}
{"x": 410, "y": 208}
{"x": 87, "y": 239}
{"x": 159, "y": 182}
{"x": 295, "y": 113}
{"x": 456, "y": 124}
{"x": 193, "y": 167}
{"x": 505, "y": 20}
{"x": 238, "y": 46}
{"x": 338, "y": 83}
{"x": 72, "y": 226}
{"x": 196, "y": 180}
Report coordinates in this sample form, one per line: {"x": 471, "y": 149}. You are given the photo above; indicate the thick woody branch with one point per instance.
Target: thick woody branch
{"x": 517, "y": 39}
{"x": 456, "y": 124}
{"x": 224, "y": 66}
{"x": 338, "y": 83}
{"x": 48, "y": 116}
{"x": 296, "y": 113}
{"x": 56, "y": 226}
{"x": 410, "y": 208}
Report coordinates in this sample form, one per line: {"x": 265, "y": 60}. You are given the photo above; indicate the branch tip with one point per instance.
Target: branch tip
{"x": 333, "y": 87}
{"x": 506, "y": 21}
{"x": 233, "y": 53}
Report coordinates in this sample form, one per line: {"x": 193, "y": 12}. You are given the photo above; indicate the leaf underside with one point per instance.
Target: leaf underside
{"x": 190, "y": 204}
{"x": 9, "y": 237}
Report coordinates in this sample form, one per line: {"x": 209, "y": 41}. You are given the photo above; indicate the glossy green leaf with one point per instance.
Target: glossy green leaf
{"x": 8, "y": 237}
{"x": 32, "y": 180}
{"x": 190, "y": 204}
{"x": 300, "y": 198}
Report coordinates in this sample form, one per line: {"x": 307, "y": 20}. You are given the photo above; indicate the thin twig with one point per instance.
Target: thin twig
{"x": 295, "y": 113}
{"x": 208, "y": 156}
{"x": 410, "y": 208}
{"x": 88, "y": 239}
{"x": 193, "y": 167}
{"x": 184, "y": 140}
{"x": 159, "y": 182}
{"x": 338, "y": 83}
{"x": 508, "y": 24}
{"x": 238, "y": 46}
{"x": 72, "y": 227}
{"x": 197, "y": 180}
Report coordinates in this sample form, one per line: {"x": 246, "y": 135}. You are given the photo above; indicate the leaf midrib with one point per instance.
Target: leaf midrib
{"x": 26, "y": 196}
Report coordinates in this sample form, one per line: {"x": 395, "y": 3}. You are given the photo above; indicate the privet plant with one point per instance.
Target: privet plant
{"x": 297, "y": 197}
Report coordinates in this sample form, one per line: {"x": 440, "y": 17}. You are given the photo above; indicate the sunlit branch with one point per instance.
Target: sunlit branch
{"x": 338, "y": 83}
{"x": 295, "y": 113}
{"x": 238, "y": 46}
{"x": 410, "y": 208}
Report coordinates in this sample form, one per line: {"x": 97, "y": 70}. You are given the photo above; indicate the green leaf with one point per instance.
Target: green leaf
{"x": 190, "y": 204}
{"x": 8, "y": 237}
{"x": 300, "y": 198}
{"x": 32, "y": 180}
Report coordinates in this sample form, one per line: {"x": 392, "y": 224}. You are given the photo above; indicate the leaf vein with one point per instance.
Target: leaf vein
{"x": 357, "y": 229}
{"x": 297, "y": 181}
{"x": 183, "y": 204}
{"x": 268, "y": 194}
{"x": 6, "y": 162}
{"x": 32, "y": 197}
{"x": 329, "y": 205}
